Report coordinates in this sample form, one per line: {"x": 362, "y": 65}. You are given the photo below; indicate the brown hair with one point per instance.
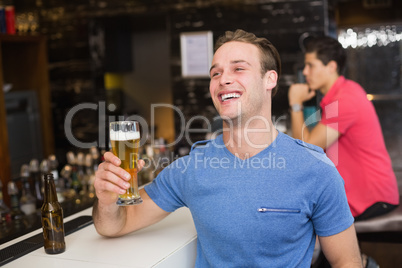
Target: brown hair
{"x": 270, "y": 59}
{"x": 328, "y": 49}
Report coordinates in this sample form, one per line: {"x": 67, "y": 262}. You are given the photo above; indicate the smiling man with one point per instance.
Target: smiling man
{"x": 247, "y": 210}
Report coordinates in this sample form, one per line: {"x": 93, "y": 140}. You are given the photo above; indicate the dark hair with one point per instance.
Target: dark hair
{"x": 270, "y": 59}
{"x": 327, "y": 49}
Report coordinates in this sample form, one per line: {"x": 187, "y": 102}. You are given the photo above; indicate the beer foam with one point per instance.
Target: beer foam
{"x": 124, "y": 136}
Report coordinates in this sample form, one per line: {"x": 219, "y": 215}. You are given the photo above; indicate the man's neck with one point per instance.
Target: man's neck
{"x": 331, "y": 81}
{"x": 247, "y": 142}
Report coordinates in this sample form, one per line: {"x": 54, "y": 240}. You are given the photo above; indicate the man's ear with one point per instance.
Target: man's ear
{"x": 333, "y": 66}
{"x": 271, "y": 79}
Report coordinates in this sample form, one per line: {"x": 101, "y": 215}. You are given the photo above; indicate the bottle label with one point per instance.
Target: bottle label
{"x": 55, "y": 175}
{"x": 28, "y": 208}
{"x": 53, "y": 228}
{"x": 14, "y": 202}
{"x": 60, "y": 197}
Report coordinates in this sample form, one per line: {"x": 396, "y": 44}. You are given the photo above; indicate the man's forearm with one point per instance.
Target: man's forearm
{"x": 108, "y": 220}
{"x": 299, "y": 131}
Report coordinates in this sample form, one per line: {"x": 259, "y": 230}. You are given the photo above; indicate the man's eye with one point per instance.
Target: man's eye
{"x": 239, "y": 69}
{"x": 214, "y": 74}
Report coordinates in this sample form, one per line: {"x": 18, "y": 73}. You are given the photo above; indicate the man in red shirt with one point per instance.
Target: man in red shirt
{"x": 349, "y": 130}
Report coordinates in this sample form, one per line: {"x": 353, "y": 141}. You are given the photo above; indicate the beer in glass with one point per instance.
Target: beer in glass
{"x": 125, "y": 141}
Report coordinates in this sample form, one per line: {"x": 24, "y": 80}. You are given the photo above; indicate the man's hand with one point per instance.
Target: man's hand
{"x": 321, "y": 135}
{"x": 110, "y": 219}
{"x": 111, "y": 180}
{"x": 299, "y": 93}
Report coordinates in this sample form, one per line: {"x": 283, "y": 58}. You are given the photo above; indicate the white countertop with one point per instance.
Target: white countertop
{"x": 168, "y": 243}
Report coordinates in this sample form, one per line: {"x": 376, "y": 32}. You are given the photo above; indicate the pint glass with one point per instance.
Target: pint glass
{"x": 125, "y": 140}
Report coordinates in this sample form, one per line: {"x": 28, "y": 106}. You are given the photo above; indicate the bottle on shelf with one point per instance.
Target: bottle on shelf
{"x": 44, "y": 168}
{"x": 9, "y": 14}
{"x": 53, "y": 164}
{"x": 65, "y": 176}
{"x": 69, "y": 193}
{"x": 16, "y": 214}
{"x": 103, "y": 151}
{"x": 81, "y": 173}
{"x": 60, "y": 186}
{"x": 147, "y": 173}
{"x": 27, "y": 200}
{"x": 52, "y": 219}
{"x": 5, "y": 212}
{"x": 75, "y": 182}
{"x": 160, "y": 157}
{"x": 37, "y": 181}
{"x": 96, "y": 158}
{"x": 90, "y": 175}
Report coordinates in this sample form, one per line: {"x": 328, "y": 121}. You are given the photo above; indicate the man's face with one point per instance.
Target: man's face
{"x": 238, "y": 90}
{"x": 317, "y": 74}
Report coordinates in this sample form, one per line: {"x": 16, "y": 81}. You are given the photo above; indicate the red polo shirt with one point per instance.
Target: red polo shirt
{"x": 359, "y": 154}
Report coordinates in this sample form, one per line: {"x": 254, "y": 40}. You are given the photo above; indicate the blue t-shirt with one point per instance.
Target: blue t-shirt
{"x": 264, "y": 211}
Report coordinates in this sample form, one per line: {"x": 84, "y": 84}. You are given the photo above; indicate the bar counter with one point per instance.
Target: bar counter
{"x": 168, "y": 243}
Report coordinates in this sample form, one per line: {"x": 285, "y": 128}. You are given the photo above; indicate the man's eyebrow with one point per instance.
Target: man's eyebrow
{"x": 213, "y": 66}
{"x": 240, "y": 61}
{"x": 232, "y": 62}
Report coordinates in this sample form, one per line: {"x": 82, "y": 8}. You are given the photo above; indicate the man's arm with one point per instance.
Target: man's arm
{"x": 321, "y": 135}
{"x": 111, "y": 219}
{"x": 342, "y": 249}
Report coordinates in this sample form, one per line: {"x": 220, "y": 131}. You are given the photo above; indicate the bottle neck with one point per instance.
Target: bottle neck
{"x": 50, "y": 191}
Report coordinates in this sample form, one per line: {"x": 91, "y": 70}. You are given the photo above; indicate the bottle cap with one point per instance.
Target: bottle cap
{"x": 12, "y": 188}
{"x": 71, "y": 158}
{"x": 94, "y": 152}
{"x": 80, "y": 159}
{"x": 24, "y": 172}
{"x": 88, "y": 160}
{"x": 66, "y": 171}
{"x": 53, "y": 163}
{"x": 44, "y": 166}
{"x": 48, "y": 176}
{"x": 34, "y": 165}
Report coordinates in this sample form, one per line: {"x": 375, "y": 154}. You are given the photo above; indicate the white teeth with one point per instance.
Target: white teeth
{"x": 230, "y": 96}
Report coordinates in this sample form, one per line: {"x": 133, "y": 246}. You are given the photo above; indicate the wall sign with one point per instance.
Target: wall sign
{"x": 196, "y": 53}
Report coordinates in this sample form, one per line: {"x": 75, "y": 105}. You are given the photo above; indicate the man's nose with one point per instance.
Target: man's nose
{"x": 305, "y": 70}
{"x": 226, "y": 79}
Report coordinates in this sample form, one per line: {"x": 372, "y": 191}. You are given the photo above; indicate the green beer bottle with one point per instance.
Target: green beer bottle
{"x": 52, "y": 218}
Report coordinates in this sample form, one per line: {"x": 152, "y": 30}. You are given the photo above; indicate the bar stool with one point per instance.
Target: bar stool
{"x": 385, "y": 229}
{"x": 382, "y": 229}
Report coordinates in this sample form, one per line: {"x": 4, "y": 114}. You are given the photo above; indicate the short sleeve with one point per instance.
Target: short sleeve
{"x": 166, "y": 190}
{"x": 332, "y": 207}
{"x": 339, "y": 114}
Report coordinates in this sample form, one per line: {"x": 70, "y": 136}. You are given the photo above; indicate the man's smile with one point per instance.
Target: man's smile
{"x": 223, "y": 97}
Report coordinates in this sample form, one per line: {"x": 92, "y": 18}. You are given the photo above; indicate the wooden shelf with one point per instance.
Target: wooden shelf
{"x": 24, "y": 64}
